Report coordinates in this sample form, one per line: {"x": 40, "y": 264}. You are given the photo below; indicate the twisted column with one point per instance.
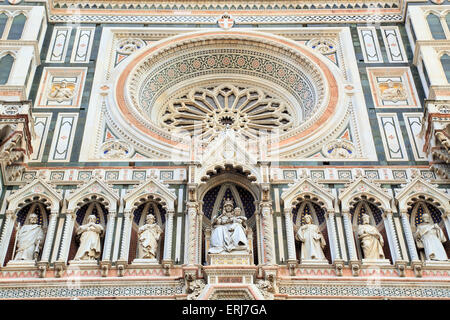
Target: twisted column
{"x": 389, "y": 224}
{"x": 290, "y": 237}
{"x": 67, "y": 236}
{"x": 168, "y": 236}
{"x": 125, "y": 244}
{"x": 6, "y": 234}
{"x": 192, "y": 212}
{"x": 268, "y": 236}
{"x": 109, "y": 236}
{"x": 49, "y": 238}
{"x": 349, "y": 236}
{"x": 409, "y": 236}
{"x": 332, "y": 235}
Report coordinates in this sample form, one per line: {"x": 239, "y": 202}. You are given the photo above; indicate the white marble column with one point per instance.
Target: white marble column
{"x": 192, "y": 236}
{"x": 332, "y": 235}
{"x": 409, "y": 236}
{"x": 67, "y": 236}
{"x": 5, "y": 237}
{"x": 394, "y": 244}
{"x": 125, "y": 245}
{"x": 109, "y": 236}
{"x": 446, "y": 217}
{"x": 49, "y": 237}
{"x": 350, "y": 239}
{"x": 268, "y": 234}
{"x": 168, "y": 236}
{"x": 290, "y": 237}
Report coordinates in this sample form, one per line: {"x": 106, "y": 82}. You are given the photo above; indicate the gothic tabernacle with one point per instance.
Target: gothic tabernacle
{"x": 224, "y": 150}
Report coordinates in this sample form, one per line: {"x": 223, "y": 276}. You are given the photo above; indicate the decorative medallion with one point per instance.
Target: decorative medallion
{"x": 128, "y": 46}
{"x": 339, "y": 149}
{"x": 116, "y": 149}
{"x": 322, "y": 45}
{"x": 225, "y": 21}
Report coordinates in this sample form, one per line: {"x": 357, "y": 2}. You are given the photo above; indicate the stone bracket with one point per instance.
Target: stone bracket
{"x": 339, "y": 267}
{"x": 167, "y": 265}
{"x": 42, "y": 266}
{"x": 355, "y": 266}
{"x": 401, "y": 267}
{"x": 59, "y": 267}
{"x": 292, "y": 265}
{"x": 121, "y": 265}
{"x": 418, "y": 268}
{"x": 105, "y": 266}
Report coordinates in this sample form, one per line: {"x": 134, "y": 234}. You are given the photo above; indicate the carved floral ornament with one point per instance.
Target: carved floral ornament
{"x": 129, "y": 45}
{"x": 339, "y": 149}
{"x": 116, "y": 149}
{"x": 322, "y": 45}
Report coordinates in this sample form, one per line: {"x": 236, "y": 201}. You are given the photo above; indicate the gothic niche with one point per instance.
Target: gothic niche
{"x": 28, "y": 235}
{"x": 229, "y": 221}
{"x": 147, "y": 236}
{"x": 310, "y": 231}
{"x": 89, "y": 232}
{"x": 369, "y": 231}
{"x": 429, "y": 232}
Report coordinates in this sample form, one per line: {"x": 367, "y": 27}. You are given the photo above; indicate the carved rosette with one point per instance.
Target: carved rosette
{"x": 339, "y": 149}
{"x": 322, "y": 45}
{"x": 128, "y": 46}
{"x": 116, "y": 149}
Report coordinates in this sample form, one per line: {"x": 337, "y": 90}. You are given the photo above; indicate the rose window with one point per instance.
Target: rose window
{"x": 208, "y": 110}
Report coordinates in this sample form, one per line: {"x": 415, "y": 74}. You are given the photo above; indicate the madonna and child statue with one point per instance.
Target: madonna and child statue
{"x": 229, "y": 231}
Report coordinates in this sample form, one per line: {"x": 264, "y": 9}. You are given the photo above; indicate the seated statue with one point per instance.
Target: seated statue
{"x": 228, "y": 232}
{"x": 30, "y": 239}
{"x": 430, "y": 237}
{"x": 371, "y": 240}
{"x": 90, "y": 246}
{"x": 312, "y": 241}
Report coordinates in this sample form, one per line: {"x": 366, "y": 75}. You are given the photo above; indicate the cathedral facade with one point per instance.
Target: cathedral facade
{"x": 225, "y": 150}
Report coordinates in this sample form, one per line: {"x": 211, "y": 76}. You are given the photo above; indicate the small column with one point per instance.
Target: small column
{"x": 49, "y": 237}
{"x": 109, "y": 236}
{"x": 125, "y": 245}
{"x": 168, "y": 236}
{"x": 192, "y": 248}
{"x": 6, "y": 234}
{"x": 290, "y": 237}
{"x": 392, "y": 236}
{"x": 268, "y": 235}
{"x": 446, "y": 217}
{"x": 67, "y": 236}
{"x": 332, "y": 235}
{"x": 349, "y": 236}
{"x": 409, "y": 236}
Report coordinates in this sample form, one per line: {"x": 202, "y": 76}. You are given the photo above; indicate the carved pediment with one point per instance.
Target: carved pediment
{"x": 305, "y": 186}
{"x": 151, "y": 187}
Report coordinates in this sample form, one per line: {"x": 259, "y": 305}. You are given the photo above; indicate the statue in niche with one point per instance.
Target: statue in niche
{"x": 371, "y": 240}
{"x": 61, "y": 92}
{"x": 90, "y": 246}
{"x": 312, "y": 240}
{"x": 430, "y": 237}
{"x": 149, "y": 235}
{"x": 30, "y": 238}
{"x": 228, "y": 232}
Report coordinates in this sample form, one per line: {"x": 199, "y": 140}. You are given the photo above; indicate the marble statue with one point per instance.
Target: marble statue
{"x": 312, "y": 240}
{"x": 228, "y": 232}
{"x": 430, "y": 237}
{"x": 371, "y": 240}
{"x": 62, "y": 92}
{"x": 393, "y": 94}
{"x": 30, "y": 238}
{"x": 90, "y": 246}
{"x": 149, "y": 235}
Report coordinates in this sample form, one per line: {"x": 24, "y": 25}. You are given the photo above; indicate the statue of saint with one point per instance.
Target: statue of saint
{"x": 228, "y": 230}
{"x": 371, "y": 240}
{"x": 149, "y": 235}
{"x": 90, "y": 246}
{"x": 430, "y": 237}
{"x": 312, "y": 240}
{"x": 30, "y": 238}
